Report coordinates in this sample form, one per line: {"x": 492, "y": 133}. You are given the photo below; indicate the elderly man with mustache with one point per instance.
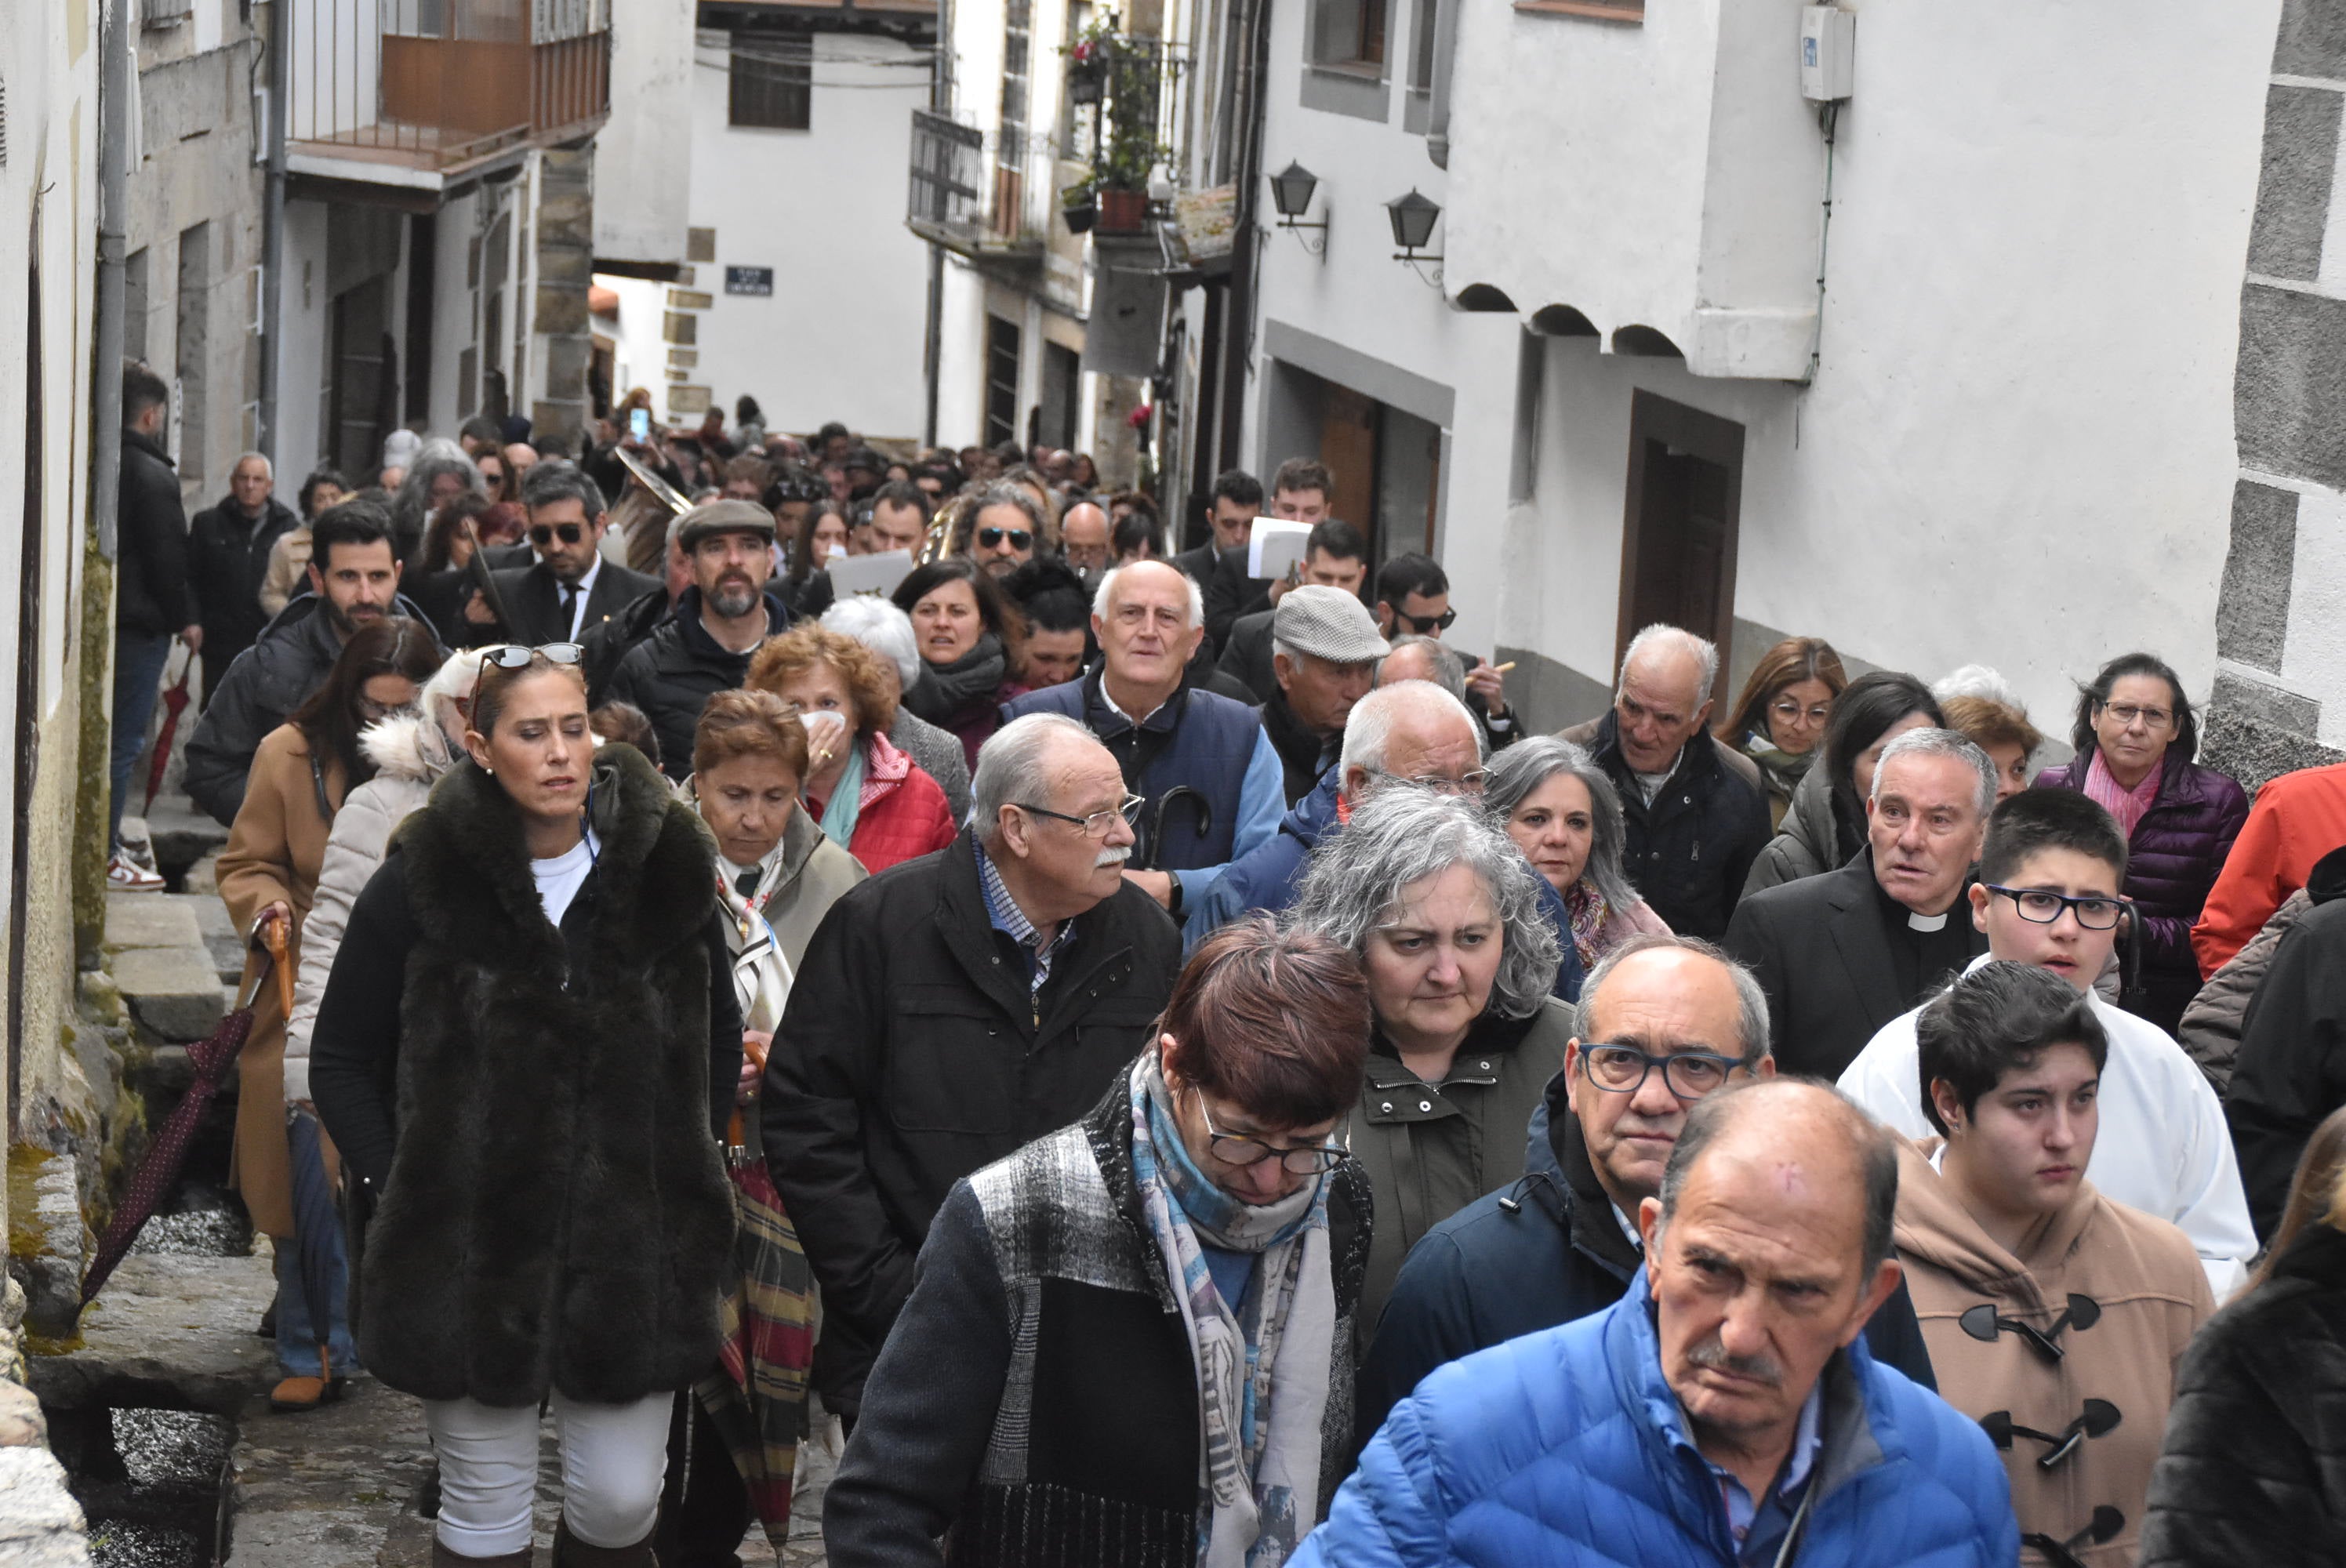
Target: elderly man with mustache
{"x": 953, "y": 1009}
{"x": 1725, "y": 1410}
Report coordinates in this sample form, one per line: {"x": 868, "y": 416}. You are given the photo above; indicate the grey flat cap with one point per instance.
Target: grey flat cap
{"x": 724, "y": 518}
{"x": 1326, "y": 623}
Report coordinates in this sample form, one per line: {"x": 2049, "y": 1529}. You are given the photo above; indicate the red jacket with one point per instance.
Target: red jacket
{"x": 903, "y": 813}
{"x": 2298, "y": 818}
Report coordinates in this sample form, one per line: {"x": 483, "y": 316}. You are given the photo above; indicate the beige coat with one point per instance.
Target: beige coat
{"x": 288, "y": 570}
{"x": 2153, "y": 1294}
{"x": 275, "y": 849}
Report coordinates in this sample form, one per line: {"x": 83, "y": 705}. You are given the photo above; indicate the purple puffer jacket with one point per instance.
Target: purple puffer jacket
{"x": 2172, "y": 859}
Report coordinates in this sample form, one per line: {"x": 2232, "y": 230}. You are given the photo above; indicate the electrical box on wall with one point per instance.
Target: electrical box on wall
{"x": 1828, "y": 53}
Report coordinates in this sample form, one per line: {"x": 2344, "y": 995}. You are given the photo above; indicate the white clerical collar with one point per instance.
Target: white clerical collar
{"x": 1926, "y": 923}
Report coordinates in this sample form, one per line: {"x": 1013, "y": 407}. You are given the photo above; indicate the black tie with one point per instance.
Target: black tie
{"x": 746, "y": 882}
{"x": 569, "y": 608}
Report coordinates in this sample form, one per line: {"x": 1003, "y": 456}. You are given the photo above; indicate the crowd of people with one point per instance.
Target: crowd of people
{"x": 1160, "y": 1066}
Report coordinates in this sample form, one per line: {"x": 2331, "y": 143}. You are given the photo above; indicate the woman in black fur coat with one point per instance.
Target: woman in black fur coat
{"x": 527, "y": 1047}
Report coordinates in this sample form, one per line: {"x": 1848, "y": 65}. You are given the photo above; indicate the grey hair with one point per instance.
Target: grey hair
{"x": 1752, "y": 1032}
{"x": 440, "y": 456}
{"x": 1449, "y": 669}
{"x": 1704, "y": 652}
{"x": 1940, "y": 743}
{"x": 554, "y": 478}
{"x": 1976, "y": 680}
{"x": 1400, "y": 836}
{"x": 1012, "y": 767}
{"x": 881, "y": 627}
{"x": 1876, "y": 1149}
{"x": 1532, "y": 762}
{"x": 1371, "y": 726}
{"x": 1108, "y": 586}
{"x": 260, "y": 457}
{"x": 1001, "y": 492}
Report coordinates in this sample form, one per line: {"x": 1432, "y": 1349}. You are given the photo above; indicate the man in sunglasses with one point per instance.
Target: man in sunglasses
{"x": 1004, "y": 530}
{"x": 1413, "y": 600}
{"x": 1664, "y": 1022}
{"x": 570, "y": 588}
{"x": 2048, "y": 895}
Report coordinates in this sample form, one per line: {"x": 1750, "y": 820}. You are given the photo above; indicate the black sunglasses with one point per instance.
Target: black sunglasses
{"x": 544, "y": 533}
{"x": 1426, "y": 626}
{"x": 991, "y": 538}
{"x": 512, "y": 656}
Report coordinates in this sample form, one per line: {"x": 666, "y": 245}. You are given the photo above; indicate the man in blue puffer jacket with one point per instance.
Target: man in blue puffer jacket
{"x": 1723, "y": 1413}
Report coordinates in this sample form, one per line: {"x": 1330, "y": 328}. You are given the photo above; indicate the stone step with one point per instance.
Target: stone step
{"x": 180, "y": 833}
{"x": 173, "y": 992}
{"x": 151, "y": 919}
{"x": 169, "y": 1332}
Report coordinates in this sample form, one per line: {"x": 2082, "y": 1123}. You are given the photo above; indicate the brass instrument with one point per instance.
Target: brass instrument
{"x": 660, "y": 489}
{"x": 937, "y": 543}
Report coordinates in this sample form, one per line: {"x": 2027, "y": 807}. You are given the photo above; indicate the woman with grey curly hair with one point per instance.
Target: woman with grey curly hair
{"x": 1445, "y": 915}
{"x": 440, "y": 473}
{"x": 1560, "y": 810}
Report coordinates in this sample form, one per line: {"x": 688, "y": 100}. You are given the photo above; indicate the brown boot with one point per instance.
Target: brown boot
{"x": 298, "y": 1395}
{"x": 569, "y": 1551}
{"x": 442, "y": 1557}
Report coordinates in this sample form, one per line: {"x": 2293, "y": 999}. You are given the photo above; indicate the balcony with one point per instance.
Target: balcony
{"x": 966, "y": 197}
{"x": 422, "y": 93}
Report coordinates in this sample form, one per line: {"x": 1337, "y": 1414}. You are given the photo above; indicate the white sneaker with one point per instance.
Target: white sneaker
{"x": 124, "y": 875}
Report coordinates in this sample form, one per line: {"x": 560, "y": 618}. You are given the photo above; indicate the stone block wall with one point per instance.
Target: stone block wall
{"x": 565, "y": 266}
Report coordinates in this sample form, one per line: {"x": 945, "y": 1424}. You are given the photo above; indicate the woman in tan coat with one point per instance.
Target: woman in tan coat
{"x": 2053, "y": 1316}
{"x": 268, "y": 873}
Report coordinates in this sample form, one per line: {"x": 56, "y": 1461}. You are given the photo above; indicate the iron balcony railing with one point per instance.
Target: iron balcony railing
{"x": 441, "y": 83}
{"x": 966, "y": 194}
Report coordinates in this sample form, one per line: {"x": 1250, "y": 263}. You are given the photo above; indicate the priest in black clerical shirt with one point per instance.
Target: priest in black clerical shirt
{"x": 1843, "y": 953}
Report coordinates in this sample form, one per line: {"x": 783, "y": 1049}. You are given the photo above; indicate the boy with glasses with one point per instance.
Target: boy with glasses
{"x": 2047, "y": 896}
{"x": 2054, "y": 1317}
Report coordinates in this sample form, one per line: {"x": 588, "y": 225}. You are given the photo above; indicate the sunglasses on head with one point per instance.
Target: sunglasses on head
{"x": 512, "y": 656}
{"x": 544, "y": 534}
{"x": 992, "y": 538}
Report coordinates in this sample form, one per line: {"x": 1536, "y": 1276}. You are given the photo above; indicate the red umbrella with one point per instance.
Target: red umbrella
{"x": 175, "y": 702}
{"x": 169, "y": 1151}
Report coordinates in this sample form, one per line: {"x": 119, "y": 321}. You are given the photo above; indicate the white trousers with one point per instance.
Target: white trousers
{"x": 614, "y": 1458}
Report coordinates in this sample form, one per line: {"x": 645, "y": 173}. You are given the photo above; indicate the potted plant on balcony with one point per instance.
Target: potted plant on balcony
{"x": 1077, "y": 209}
{"x": 1089, "y": 58}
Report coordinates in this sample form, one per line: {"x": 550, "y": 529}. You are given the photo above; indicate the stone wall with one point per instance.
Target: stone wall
{"x": 2279, "y": 697}
{"x": 566, "y": 268}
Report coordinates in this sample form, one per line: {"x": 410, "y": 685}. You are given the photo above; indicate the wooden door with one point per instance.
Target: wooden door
{"x": 1348, "y": 446}
{"x": 358, "y": 390}
{"x": 1679, "y": 527}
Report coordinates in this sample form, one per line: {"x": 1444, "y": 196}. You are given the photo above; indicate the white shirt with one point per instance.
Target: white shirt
{"x": 586, "y": 586}
{"x": 1650, "y": 784}
{"x": 559, "y": 879}
{"x": 2163, "y": 1146}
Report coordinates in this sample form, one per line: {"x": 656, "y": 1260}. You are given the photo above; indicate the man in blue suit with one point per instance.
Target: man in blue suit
{"x": 1725, "y": 1411}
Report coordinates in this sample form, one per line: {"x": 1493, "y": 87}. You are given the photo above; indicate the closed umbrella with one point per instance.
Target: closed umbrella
{"x": 175, "y": 702}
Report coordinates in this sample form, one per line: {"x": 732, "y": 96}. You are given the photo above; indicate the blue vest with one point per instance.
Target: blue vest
{"x": 1198, "y": 742}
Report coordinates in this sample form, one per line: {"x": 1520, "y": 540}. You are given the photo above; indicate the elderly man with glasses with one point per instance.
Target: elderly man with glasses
{"x": 1664, "y": 1021}
{"x": 947, "y": 1013}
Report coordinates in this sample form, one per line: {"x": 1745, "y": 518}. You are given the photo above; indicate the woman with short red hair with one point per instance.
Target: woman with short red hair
{"x": 1129, "y": 1338}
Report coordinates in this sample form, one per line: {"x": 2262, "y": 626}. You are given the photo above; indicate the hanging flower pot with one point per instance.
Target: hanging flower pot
{"x": 1123, "y": 211}
{"x": 1079, "y": 215}
{"x": 1086, "y": 86}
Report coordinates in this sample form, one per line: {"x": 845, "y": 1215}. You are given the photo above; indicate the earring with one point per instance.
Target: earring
{"x": 489, "y": 771}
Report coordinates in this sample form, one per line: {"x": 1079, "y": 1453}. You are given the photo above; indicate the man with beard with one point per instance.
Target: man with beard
{"x": 353, "y": 580}
{"x": 704, "y": 646}
{"x": 1004, "y": 530}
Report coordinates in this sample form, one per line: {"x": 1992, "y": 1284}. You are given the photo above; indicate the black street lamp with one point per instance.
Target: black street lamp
{"x": 1290, "y": 192}
{"x": 1413, "y": 217}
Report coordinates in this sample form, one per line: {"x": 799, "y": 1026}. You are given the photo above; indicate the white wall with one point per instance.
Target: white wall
{"x": 641, "y": 208}
{"x": 302, "y": 346}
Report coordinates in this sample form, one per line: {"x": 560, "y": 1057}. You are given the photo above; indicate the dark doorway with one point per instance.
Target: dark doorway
{"x": 1062, "y": 375}
{"x": 360, "y": 391}
{"x": 1002, "y": 355}
{"x": 28, "y": 681}
{"x": 423, "y": 257}
{"x": 1678, "y": 534}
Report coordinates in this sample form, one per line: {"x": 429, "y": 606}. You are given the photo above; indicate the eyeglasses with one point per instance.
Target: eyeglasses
{"x": 1470, "y": 782}
{"x": 2129, "y": 715}
{"x": 1241, "y": 1149}
{"x": 2044, "y": 907}
{"x": 1426, "y": 626}
{"x": 992, "y": 538}
{"x": 544, "y": 534}
{"x": 1095, "y": 826}
{"x": 1790, "y": 712}
{"x": 1689, "y": 1074}
{"x": 512, "y": 656}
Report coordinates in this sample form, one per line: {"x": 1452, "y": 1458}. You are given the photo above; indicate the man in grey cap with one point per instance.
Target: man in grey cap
{"x": 1323, "y": 653}
{"x": 704, "y": 646}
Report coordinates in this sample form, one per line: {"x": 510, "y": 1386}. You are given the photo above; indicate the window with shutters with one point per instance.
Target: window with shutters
{"x": 772, "y": 82}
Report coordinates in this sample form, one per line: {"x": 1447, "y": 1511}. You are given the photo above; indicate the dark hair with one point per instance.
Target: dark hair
{"x": 2312, "y": 1193}
{"x": 1133, "y": 531}
{"x": 440, "y": 540}
{"x": 994, "y": 610}
{"x": 1237, "y": 484}
{"x": 793, "y": 482}
{"x": 1997, "y": 1019}
{"x": 1139, "y": 501}
{"x": 745, "y": 409}
{"x": 749, "y": 466}
{"x": 357, "y": 520}
{"x": 142, "y": 389}
{"x": 1050, "y": 594}
{"x": 496, "y": 683}
{"x": 901, "y": 493}
{"x": 1403, "y": 575}
{"x": 1789, "y": 663}
{"x": 481, "y": 427}
{"x": 2037, "y": 819}
{"x": 1334, "y": 536}
{"x": 1275, "y": 1021}
{"x": 626, "y": 723}
{"x": 802, "y": 541}
{"x": 2089, "y": 697}
{"x": 554, "y": 478}
{"x": 309, "y": 487}
{"x": 1877, "y": 1153}
{"x": 1866, "y": 707}
{"x": 1298, "y": 475}
{"x": 329, "y": 718}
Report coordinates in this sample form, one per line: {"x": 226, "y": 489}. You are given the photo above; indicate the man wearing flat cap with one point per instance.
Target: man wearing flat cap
{"x": 704, "y": 646}
{"x": 1323, "y": 651}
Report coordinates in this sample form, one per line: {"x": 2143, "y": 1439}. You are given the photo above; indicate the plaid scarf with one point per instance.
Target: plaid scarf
{"x": 1263, "y": 1366}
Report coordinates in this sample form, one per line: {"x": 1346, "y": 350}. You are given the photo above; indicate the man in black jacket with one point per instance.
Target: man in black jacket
{"x": 704, "y": 646}
{"x": 1694, "y": 812}
{"x": 1562, "y": 1242}
{"x": 2290, "y": 1073}
{"x": 228, "y": 555}
{"x": 570, "y": 588}
{"x": 353, "y": 580}
{"x": 152, "y": 603}
{"x": 1324, "y": 654}
{"x": 951, "y": 1009}
{"x": 1841, "y": 954}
